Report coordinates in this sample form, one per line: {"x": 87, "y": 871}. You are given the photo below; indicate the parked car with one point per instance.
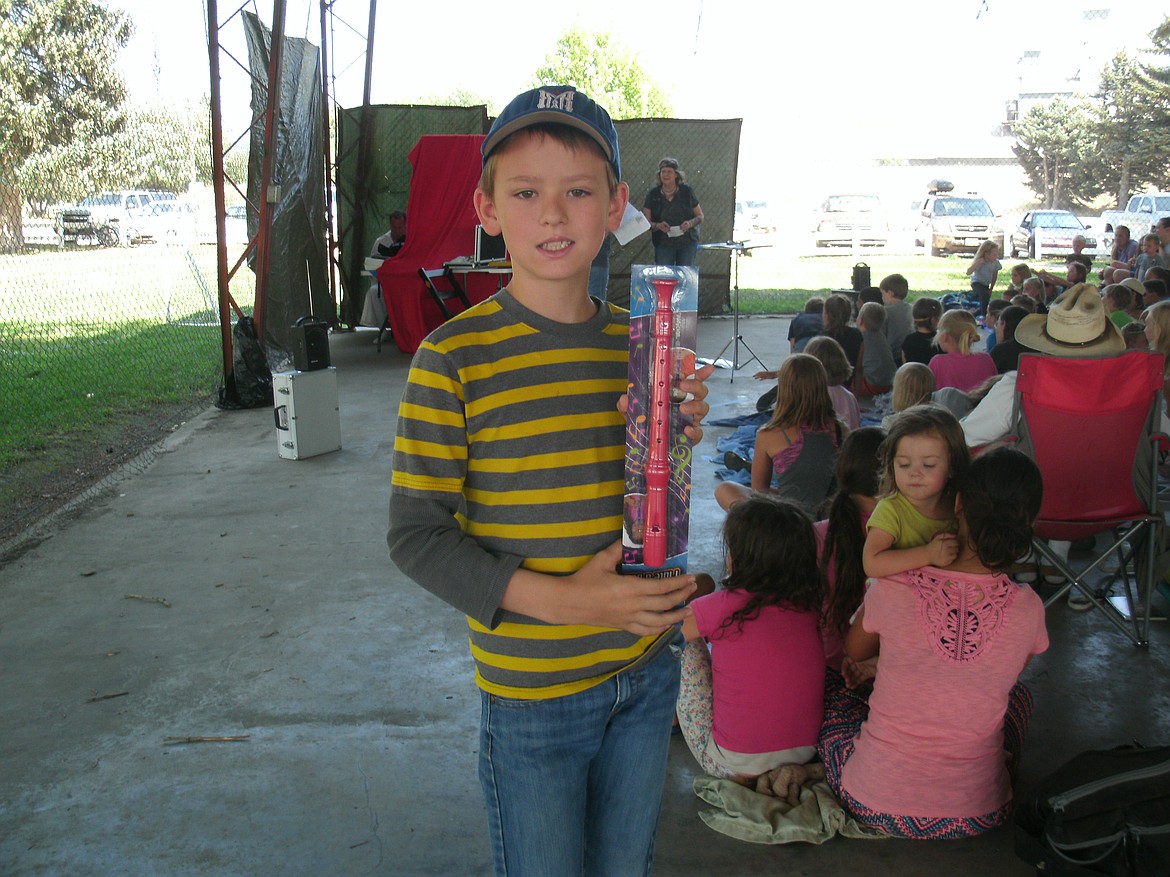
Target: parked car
{"x": 122, "y": 215}
{"x": 753, "y": 217}
{"x": 177, "y": 222}
{"x": 956, "y": 223}
{"x": 844, "y": 219}
{"x": 1139, "y": 216}
{"x": 1041, "y": 232}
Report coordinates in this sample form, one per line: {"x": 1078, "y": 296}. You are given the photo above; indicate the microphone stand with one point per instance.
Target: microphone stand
{"x": 737, "y": 249}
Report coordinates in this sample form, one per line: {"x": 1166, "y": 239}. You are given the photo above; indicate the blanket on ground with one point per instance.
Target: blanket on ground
{"x": 745, "y": 814}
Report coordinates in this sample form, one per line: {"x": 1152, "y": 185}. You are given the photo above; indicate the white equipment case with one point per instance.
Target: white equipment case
{"x": 308, "y": 421}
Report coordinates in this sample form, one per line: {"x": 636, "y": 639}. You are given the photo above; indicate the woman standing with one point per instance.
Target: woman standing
{"x": 675, "y": 215}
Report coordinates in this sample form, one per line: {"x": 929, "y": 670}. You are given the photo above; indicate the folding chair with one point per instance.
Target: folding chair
{"x": 1090, "y": 425}
{"x": 450, "y": 288}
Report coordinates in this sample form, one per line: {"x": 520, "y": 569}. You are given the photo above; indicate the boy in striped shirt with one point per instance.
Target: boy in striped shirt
{"x": 506, "y": 502}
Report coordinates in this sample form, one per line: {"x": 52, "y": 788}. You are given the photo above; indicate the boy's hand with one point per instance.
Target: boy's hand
{"x": 695, "y": 406}
{"x": 942, "y": 549}
{"x": 765, "y": 376}
{"x": 599, "y": 596}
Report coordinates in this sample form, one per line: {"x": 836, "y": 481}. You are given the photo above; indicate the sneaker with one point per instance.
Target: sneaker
{"x": 1078, "y": 601}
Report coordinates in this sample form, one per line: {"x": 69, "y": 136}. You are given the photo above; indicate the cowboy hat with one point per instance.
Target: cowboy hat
{"x": 1076, "y": 325}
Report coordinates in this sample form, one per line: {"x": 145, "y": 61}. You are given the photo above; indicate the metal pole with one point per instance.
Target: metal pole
{"x": 223, "y": 281}
{"x": 331, "y": 237}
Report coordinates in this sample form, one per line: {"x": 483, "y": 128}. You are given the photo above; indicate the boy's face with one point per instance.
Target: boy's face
{"x": 553, "y": 207}
{"x": 888, "y": 298}
{"x": 1150, "y": 248}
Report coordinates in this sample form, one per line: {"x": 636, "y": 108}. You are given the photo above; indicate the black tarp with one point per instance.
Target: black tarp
{"x": 298, "y": 240}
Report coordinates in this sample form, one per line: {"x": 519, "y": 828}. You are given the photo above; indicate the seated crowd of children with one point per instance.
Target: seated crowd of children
{"x": 936, "y": 533}
{"x": 908, "y": 558}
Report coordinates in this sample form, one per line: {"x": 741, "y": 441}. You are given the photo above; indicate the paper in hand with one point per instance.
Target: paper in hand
{"x": 634, "y": 223}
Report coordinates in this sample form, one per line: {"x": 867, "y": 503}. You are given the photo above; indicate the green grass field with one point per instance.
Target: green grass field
{"x": 97, "y": 343}
{"x": 772, "y": 282}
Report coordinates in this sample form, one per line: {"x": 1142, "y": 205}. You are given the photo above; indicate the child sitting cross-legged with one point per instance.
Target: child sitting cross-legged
{"x": 959, "y": 365}
{"x": 838, "y": 371}
{"x": 874, "y": 372}
{"x": 806, "y": 325}
{"x": 796, "y": 449}
{"x": 753, "y": 670}
{"x": 1118, "y": 301}
{"x": 919, "y": 345}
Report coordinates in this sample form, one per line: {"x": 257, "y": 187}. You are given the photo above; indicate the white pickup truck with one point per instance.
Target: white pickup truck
{"x": 1139, "y": 216}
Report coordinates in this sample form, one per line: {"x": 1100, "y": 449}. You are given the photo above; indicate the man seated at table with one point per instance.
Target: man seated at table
{"x": 391, "y": 242}
{"x": 387, "y": 245}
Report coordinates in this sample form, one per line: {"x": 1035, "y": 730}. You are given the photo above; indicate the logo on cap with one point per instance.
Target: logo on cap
{"x": 548, "y": 100}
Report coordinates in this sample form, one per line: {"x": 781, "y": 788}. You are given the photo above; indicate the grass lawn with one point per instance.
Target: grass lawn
{"x": 97, "y": 345}
{"x": 771, "y": 281}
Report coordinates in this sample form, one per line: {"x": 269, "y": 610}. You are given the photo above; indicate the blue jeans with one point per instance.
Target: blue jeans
{"x": 573, "y": 784}
{"x": 599, "y": 281}
{"x": 684, "y": 255}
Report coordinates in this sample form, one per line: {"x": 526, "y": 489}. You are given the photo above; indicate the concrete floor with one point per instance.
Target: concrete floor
{"x": 287, "y": 623}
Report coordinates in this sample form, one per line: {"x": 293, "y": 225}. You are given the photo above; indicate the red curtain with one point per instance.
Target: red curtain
{"x": 440, "y": 225}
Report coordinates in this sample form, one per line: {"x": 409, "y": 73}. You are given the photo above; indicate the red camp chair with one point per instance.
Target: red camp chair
{"x": 1091, "y": 426}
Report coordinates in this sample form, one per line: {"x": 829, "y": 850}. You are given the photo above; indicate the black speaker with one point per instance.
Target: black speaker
{"x": 860, "y": 277}
{"x": 310, "y": 344}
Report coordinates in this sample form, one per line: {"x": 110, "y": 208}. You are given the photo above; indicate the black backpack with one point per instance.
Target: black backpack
{"x": 1104, "y": 812}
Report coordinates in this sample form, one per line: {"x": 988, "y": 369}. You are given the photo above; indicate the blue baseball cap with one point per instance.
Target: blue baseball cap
{"x": 558, "y": 105}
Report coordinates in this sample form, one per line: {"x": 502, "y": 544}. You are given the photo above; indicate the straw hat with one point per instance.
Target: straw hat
{"x": 1076, "y": 325}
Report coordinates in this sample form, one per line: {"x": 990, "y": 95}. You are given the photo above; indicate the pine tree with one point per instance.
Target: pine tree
{"x": 1133, "y": 153}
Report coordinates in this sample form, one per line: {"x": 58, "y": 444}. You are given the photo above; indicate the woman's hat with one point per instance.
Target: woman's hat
{"x": 1076, "y": 325}
{"x": 668, "y": 162}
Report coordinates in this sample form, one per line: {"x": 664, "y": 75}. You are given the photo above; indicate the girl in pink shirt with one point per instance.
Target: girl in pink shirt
{"x": 931, "y": 754}
{"x": 752, "y": 691}
{"x": 958, "y": 365}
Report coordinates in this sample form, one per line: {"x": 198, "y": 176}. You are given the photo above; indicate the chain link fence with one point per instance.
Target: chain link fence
{"x": 109, "y": 338}
{"x": 109, "y": 318}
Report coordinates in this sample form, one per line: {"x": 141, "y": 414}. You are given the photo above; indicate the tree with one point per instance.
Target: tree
{"x": 605, "y": 70}
{"x": 57, "y": 82}
{"x": 1132, "y": 148}
{"x": 1154, "y": 88}
{"x": 1056, "y": 144}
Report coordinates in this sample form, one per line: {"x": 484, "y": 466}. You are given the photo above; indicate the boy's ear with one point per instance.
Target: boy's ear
{"x": 485, "y": 209}
{"x": 617, "y": 207}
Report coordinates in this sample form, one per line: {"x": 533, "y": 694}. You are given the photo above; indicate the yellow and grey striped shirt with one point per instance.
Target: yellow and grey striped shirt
{"x": 510, "y": 451}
